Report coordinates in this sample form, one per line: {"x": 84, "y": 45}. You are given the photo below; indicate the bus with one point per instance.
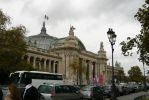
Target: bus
{"x": 38, "y": 78}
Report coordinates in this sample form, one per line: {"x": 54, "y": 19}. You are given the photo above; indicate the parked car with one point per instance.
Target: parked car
{"x": 123, "y": 90}
{"x": 132, "y": 88}
{"x": 92, "y": 92}
{"x": 107, "y": 91}
{"x": 77, "y": 87}
{"x": 59, "y": 92}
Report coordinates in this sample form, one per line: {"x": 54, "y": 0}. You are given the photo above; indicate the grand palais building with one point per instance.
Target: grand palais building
{"x": 68, "y": 56}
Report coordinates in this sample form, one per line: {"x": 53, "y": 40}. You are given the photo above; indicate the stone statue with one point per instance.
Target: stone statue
{"x": 71, "y": 31}
{"x": 101, "y": 46}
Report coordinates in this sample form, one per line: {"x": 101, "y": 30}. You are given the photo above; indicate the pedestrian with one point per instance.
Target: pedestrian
{"x": 13, "y": 92}
{"x": 1, "y": 93}
{"x": 30, "y": 92}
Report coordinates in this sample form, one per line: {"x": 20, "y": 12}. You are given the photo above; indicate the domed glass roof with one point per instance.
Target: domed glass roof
{"x": 81, "y": 45}
{"x": 42, "y": 40}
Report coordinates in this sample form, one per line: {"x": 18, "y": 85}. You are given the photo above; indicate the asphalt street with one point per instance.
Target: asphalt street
{"x": 132, "y": 96}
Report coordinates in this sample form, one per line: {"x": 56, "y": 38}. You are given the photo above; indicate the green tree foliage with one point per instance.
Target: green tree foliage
{"x": 135, "y": 74}
{"x": 141, "y": 40}
{"x": 4, "y": 20}
{"x": 24, "y": 66}
{"x": 12, "y": 45}
{"x": 127, "y": 79}
{"x": 120, "y": 77}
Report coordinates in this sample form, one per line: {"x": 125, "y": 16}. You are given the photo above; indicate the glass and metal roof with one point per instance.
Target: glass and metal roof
{"x": 45, "y": 41}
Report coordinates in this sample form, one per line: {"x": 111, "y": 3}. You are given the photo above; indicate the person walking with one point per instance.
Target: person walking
{"x": 30, "y": 92}
{"x": 13, "y": 93}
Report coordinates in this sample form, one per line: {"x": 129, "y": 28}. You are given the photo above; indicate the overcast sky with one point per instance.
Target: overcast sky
{"x": 91, "y": 18}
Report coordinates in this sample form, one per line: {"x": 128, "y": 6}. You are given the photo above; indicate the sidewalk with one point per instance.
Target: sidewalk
{"x": 131, "y": 96}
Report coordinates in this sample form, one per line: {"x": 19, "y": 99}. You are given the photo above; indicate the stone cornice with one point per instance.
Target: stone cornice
{"x": 92, "y": 55}
{"x": 115, "y": 68}
{"x": 63, "y": 48}
{"x": 50, "y": 54}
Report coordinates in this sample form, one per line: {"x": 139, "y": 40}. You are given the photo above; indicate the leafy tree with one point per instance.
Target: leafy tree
{"x": 141, "y": 40}
{"x": 24, "y": 65}
{"x": 127, "y": 79}
{"x": 120, "y": 76}
{"x": 4, "y": 20}
{"x": 12, "y": 46}
{"x": 135, "y": 74}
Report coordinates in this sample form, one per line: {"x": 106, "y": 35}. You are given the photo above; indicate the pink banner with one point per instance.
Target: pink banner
{"x": 101, "y": 79}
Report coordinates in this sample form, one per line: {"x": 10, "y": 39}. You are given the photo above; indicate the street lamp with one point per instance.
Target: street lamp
{"x": 112, "y": 39}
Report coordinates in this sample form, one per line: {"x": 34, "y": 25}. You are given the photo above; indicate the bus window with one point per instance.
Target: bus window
{"x": 23, "y": 77}
{"x": 15, "y": 77}
{"x": 59, "y": 77}
{"x": 51, "y": 77}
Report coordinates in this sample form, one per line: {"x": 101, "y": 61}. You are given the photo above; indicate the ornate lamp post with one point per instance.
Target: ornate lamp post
{"x": 112, "y": 39}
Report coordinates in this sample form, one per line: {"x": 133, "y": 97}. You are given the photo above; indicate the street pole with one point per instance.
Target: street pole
{"x": 112, "y": 39}
{"x": 113, "y": 88}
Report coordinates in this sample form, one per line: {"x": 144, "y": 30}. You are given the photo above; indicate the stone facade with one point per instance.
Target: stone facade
{"x": 57, "y": 55}
{"x": 108, "y": 75}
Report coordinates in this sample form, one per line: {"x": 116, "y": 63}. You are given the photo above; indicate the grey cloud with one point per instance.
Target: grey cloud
{"x": 57, "y": 11}
{"x": 30, "y": 10}
{"x": 64, "y": 10}
{"x": 6, "y": 1}
{"x": 114, "y": 8}
{"x": 61, "y": 10}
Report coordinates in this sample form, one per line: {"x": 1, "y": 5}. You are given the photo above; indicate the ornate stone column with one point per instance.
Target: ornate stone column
{"x": 90, "y": 71}
{"x": 34, "y": 62}
{"x": 40, "y": 64}
{"x": 84, "y": 66}
{"x": 28, "y": 59}
{"x": 87, "y": 72}
{"x": 54, "y": 66}
{"x": 49, "y": 69}
{"x": 44, "y": 64}
{"x": 67, "y": 64}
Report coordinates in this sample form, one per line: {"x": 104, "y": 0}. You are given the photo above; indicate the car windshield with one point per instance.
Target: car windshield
{"x": 86, "y": 88}
{"x": 45, "y": 89}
